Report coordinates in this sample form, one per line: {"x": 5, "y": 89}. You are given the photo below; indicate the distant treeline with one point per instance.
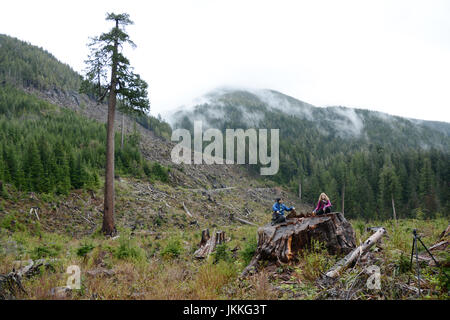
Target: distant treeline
{"x": 417, "y": 181}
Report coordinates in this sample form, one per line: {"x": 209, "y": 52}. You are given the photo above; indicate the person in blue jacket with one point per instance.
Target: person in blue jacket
{"x": 278, "y": 209}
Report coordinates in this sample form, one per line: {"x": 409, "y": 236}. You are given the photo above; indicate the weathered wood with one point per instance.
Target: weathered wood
{"x": 245, "y": 221}
{"x": 165, "y": 202}
{"x": 393, "y": 208}
{"x": 35, "y": 211}
{"x": 206, "y": 248}
{"x": 294, "y": 214}
{"x": 102, "y": 272}
{"x": 11, "y": 283}
{"x": 352, "y": 256}
{"x": 373, "y": 229}
{"x": 212, "y": 190}
{"x": 283, "y": 242}
{"x": 445, "y": 233}
{"x": 205, "y": 237}
{"x": 439, "y": 246}
{"x": 187, "y": 211}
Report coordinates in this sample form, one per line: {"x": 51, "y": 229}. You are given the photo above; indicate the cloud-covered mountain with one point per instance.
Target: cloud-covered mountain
{"x": 232, "y": 108}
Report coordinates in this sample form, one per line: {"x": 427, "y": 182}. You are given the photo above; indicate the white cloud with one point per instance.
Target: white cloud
{"x": 390, "y": 56}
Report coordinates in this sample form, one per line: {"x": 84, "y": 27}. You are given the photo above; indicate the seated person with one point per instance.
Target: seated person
{"x": 324, "y": 205}
{"x": 278, "y": 209}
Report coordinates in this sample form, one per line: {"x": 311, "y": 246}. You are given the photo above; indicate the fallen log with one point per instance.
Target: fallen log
{"x": 209, "y": 244}
{"x": 187, "y": 211}
{"x": 439, "y": 246}
{"x": 282, "y": 242}
{"x": 352, "y": 256}
{"x": 373, "y": 229}
{"x": 245, "y": 221}
{"x": 11, "y": 283}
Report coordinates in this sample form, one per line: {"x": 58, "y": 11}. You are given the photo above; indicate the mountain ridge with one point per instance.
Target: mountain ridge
{"x": 288, "y": 104}
{"x": 338, "y": 149}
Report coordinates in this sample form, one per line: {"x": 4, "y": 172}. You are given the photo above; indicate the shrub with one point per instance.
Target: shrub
{"x": 158, "y": 221}
{"x": 403, "y": 264}
{"x": 46, "y": 251}
{"x": 173, "y": 249}
{"x": 314, "y": 261}
{"x": 11, "y": 223}
{"x": 127, "y": 249}
{"x": 157, "y": 172}
{"x": 420, "y": 214}
{"x": 221, "y": 253}
{"x": 360, "y": 226}
{"x": 249, "y": 250}
{"x": 3, "y": 193}
{"x": 84, "y": 249}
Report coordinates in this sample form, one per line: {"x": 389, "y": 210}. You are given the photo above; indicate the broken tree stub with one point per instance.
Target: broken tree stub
{"x": 282, "y": 242}
{"x": 208, "y": 244}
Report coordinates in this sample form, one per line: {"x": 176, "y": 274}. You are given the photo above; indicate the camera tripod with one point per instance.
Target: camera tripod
{"x": 415, "y": 252}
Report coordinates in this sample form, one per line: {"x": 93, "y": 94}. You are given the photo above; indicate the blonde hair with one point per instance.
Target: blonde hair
{"x": 323, "y": 195}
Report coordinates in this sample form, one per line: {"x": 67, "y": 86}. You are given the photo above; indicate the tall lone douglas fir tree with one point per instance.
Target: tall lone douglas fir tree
{"x": 106, "y": 57}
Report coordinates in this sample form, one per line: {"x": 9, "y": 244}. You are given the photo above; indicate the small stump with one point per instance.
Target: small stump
{"x": 208, "y": 244}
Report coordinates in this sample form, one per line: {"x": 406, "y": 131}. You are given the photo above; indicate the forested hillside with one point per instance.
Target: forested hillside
{"x": 44, "y": 148}
{"x": 48, "y": 149}
{"x": 27, "y": 65}
{"x": 363, "y": 157}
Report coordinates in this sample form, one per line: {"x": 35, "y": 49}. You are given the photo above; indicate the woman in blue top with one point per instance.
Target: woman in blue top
{"x": 278, "y": 209}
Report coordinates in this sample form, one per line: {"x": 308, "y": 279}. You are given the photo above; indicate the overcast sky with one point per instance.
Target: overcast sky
{"x": 391, "y": 56}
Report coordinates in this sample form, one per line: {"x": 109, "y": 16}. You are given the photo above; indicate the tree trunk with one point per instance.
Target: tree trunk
{"x": 300, "y": 189}
{"x": 99, "y": 84}
{"x": 393, "y": 208}
{"x": 352, "y": 256}
{"x": 123, "y": 129}
{"x": 283, "y": 242}
{"x": 108, "y": 215}
{"x": 343, "y": 198}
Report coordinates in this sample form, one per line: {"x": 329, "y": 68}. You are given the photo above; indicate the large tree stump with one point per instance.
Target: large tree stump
{"x": 283, "y": 242}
